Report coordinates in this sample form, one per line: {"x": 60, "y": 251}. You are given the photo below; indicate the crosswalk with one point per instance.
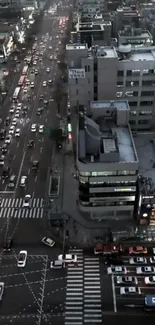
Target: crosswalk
{"x": 13, "y": 208}
{"x": 83, "y": 292}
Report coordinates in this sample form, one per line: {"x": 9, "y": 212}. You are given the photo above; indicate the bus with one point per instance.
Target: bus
{"x": 16, "y": 93}
{"x": 149, "y": 303}
{"x": 25, "y": 70}
{"x": 21, "y": 81}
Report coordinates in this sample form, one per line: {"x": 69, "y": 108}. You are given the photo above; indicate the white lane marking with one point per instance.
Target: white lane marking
{"x": 114, "y": 294}
{"x": 20, "y": 170}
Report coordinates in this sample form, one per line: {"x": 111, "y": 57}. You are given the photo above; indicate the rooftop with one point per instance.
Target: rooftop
{"x": 76, "y": 46}
{"x": 137, "y": 32}
{"x": 105, "y": 135}
{"x": 103, "y": 51}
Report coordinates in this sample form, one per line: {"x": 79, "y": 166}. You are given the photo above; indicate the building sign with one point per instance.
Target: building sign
{"x": 76, "y": 73}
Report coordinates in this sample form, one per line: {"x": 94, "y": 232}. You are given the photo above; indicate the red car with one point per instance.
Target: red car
{"x": 138, "y": 250}
{"x": 107, "y": 249}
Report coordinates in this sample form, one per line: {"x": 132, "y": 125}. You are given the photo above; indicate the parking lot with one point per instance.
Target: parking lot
{"x": 113, "y": 299}
{"x": 31, "y": 293}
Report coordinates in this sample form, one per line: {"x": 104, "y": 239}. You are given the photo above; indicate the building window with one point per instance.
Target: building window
{"x": 131, "y": 93}
{"x": 135, "y": 72}
{"x": 86, "y": 68}
{"x": 119, "y": 94}
{"x": 146, "y": 103}
{"x": 120, "y": 84}
{"x": 132, "y": 122}
{"x": 95, "y": 78}
{"x": 76, "y": 81}
{"x": 147, "y": 93}
{"x": 77, "y": 92}
{"x": 143, "y": 122}
{"x": 129, "y": 73}
{"x": 145, "y": 113}
{"x": 132, "y": 104}
{"x": 133, "y": 113}
{"x": 120, "y": 73}
{"x": 148, "y": 83}
{"x": 146, "y": 71}
{"x": 132, "y": 83}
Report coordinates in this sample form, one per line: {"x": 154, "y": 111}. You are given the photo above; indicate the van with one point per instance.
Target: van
{"x": 56, "y": 264}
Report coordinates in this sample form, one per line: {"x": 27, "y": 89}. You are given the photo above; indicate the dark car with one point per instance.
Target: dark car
{"x": 41, "y": 97}
{"x": 35, "y": 165}
{"x": 30, "y": 144}
{"x": 112, "y": 260}
{"x": 2, "y": 134}
{"x": 6, "y": 172}
{"x": 12, "y": 181}
{"x": 7, "y": 121}
{"x": 4, "y": 148}
{"x": 39, "y": 111}
{"x": 7, "y": 245}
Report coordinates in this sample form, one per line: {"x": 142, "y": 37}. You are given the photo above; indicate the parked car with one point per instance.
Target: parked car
{"x": 48, "y": 241}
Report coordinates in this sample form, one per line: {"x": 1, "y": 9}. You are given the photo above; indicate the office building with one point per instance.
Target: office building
{"x": 126, "y": 16}
{"x": 107, "y": 73}
{"x": 107, "y": 162}
{"x": 88, "y": 9}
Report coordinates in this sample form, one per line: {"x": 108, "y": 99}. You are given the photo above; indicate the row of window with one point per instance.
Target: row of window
{"x": 135, "y": 94}
{"x": 141, "y": 113}
{"x": 142, "y": 103}
{"x": 115, "y": 184}
{"x": 109, "y": 173}
{"x": 140, "y": 122}
{"x": 136, "y": 83}
{"x": 135, "y": 72}
{"x": 104, "y": 204}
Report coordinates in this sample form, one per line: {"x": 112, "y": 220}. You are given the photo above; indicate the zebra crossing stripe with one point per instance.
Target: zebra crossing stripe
{"x": 13, "y": 208}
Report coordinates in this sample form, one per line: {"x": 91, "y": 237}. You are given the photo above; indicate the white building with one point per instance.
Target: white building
{"x": 107, "y": 73}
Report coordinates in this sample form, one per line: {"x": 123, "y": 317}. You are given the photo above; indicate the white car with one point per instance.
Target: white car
{"x": 137, "y": 260}
{"x": 11, "y": 110}
{"x": 25, "y": 89}
{"x": 23, "y": 181}
{"x": 34, "y": 62}
{"x": 51, "y": 57}
{"x": 126, "y": 280}
{"x": 17, "y": 115}
{"x": 152, "y": 260}
{"x": 117, "y": 270}
{"x": 44, "y": 83}
{"x": 22, "y": 259}
{"x": 153, "y": 250}
{"x": 12, "y": 129}
{"x": 14, "y": 121}
{"x": 34, "y": 128}
{"x": 8, "y": 138}
{"x": 41, "y": 128}
{"x": 130, "y": 291}
{"x": 149, "y": 279}
{"x": 145, "y": 270}
{"x": 68, "y": 258}
{"x": 48, "y": 70}
{"x": 1, "y": 290}
{"x": 19, "y": 106}
{"x": 32, "y": 84}
{"x": 17, "y": 133}
{"x": 50, "y": 47}
{"x": 48, "y": 241}
{"x": 27, "y": 201}
{"x": 2, "y": 160}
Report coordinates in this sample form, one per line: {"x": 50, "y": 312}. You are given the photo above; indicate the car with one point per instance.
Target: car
{"x": 8, "y": 138}
{"x": 7, "y": 245}
{"x": 34, "y": 128}
{"x": 36, "y": 72}
{"x": 56, "y": 264}
{"x": 50, "y": 82}
{"x": 44, "y": 83}
{"x": 41, "y": 129}
{"x": 2, "y": 160}
{"x": 113, "y": 260}
{"x": 149, "y": 279}
{"x": 51, "y": 57}
{"x": 48, "y": 241}
{"x": 41, "y": 97}
{"x": 12, "y": 181}
{"x": 68, "y": 258}
{"x": 27, "y": 82}
{"x": 6, "y": 172}
{"x": 138, "y": 250}
{"x": 23, "y": 181}
{"x": 25, "y": 89}
{"x": 17, "y": 133}
{"x": 32, "y": 84}
{"x": 7, "y": 121}
{"x": 152, "y": 260}
{"x": 117, "y": 270}
{"x": 4, "y": 148}
{"x": 57, "y": 50}
{"x": 14, "y": 121}
{"x": 55, "y": 57}
{"x": 16, "y": 114}
{"x": 34, "y": 62}
{"x": 35, "y": 165}
{"x": 1, "y": 290}
{"x": 30, "y": 144}
{"x": 137, "y": 260}
{"x": 145, "y": 270}
{"x": 12, "y": 129}
{"x": 45, "y": 102}
{"x": 50, "y": 47}
{"x": 130, "y": 291}
{"x": 27, "y": 201}
{"x": 12, "y": 109}
{"x": 19, "y": 106}
{"x": 22, "y": 257}
{"x": 47, "y": 69}
{"x": 126, "y": 280}
{"x": 39, "y": 111}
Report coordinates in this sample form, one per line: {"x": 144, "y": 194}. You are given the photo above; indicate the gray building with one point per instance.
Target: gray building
{"x": 126, "y": 16}
{"x": 107, "y": 73}
{"x": 107, "y": 162}
{"x": 135, "y": 36}
{"x": 88, "y": 9}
